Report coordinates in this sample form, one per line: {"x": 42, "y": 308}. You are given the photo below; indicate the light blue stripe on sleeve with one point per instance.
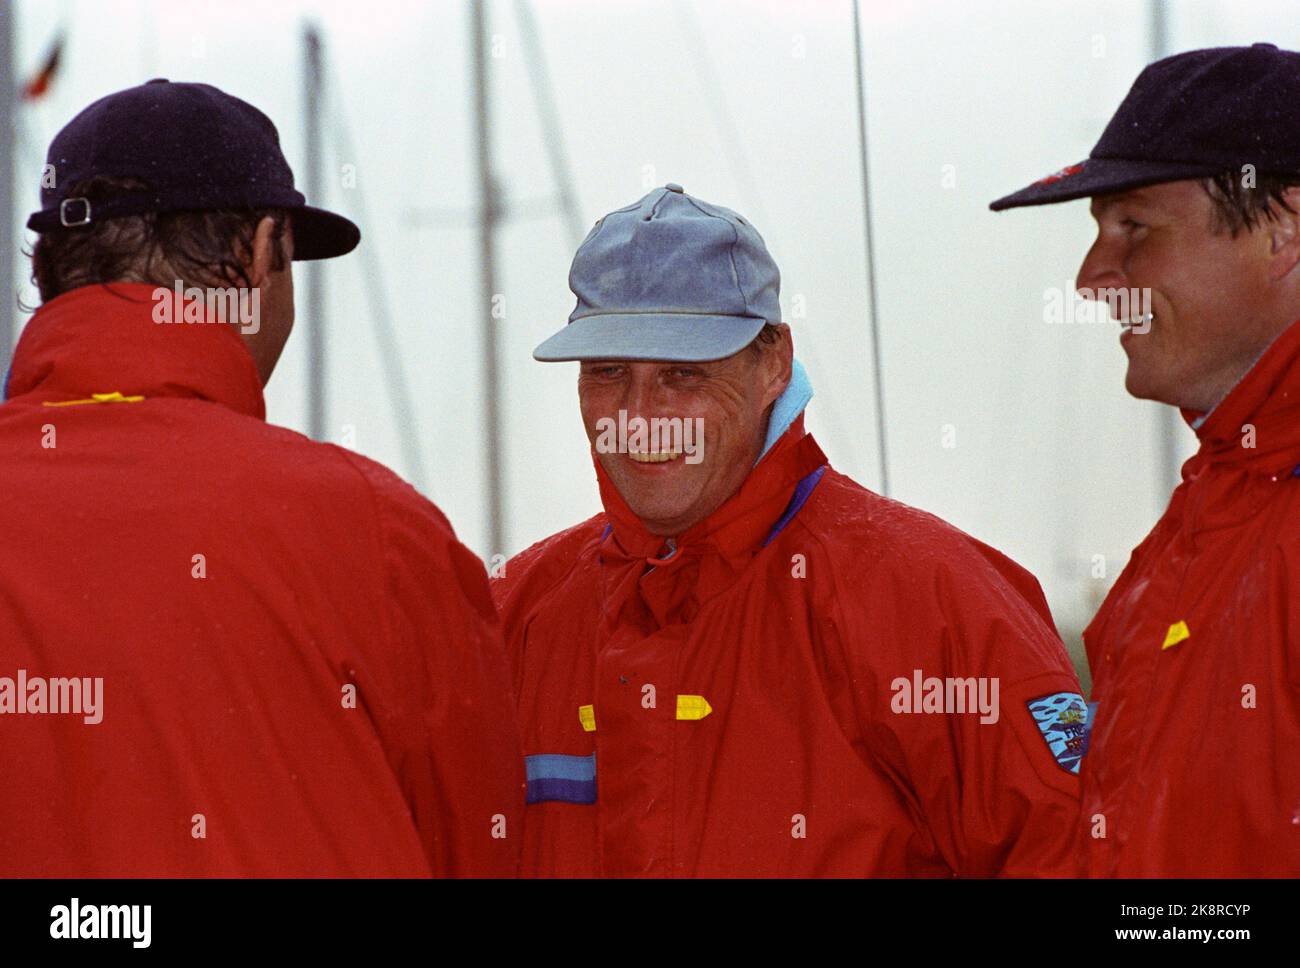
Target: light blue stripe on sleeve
{"x": 556, "y": 766}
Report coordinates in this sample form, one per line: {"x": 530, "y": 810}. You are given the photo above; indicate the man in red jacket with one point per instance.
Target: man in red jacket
{"x": 1193, "y": 763}
{"x": 227, "y": 649}
{"x": 748, "y": 664}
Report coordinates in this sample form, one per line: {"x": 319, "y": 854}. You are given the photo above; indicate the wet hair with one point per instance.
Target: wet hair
{"x": 1238, "y": 207}
{"x": 769, "y": 334}
{"x": 207, "y": 248}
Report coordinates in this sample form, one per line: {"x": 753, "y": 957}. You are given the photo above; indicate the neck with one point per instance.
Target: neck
{"x": 1212, "y": 392}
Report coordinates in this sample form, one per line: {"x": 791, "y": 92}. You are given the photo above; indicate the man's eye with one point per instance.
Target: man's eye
{"x": 1130, "y": 225}
{"x": 685, "y": 371}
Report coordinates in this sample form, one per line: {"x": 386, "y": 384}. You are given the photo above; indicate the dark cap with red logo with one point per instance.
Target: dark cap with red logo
{"x": 1192, "y": 115}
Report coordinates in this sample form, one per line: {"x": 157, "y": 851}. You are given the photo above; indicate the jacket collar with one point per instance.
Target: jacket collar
{"x": 789, "y": 406}
{"x": 103, "y": 339}
{"x": 648, "y": 586}
{"x": 1267, "y": 400}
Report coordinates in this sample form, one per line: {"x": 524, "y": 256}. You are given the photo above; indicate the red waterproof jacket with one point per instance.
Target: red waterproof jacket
{"x": 1193, "y": 765}
{"x": 731, "y": 708}
{"x": 323, "y": 692}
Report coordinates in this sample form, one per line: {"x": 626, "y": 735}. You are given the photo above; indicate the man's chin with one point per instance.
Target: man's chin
{"x": 1139, "y": 383}
{"x": 658, "y": 519}
{"x": 1148, "y": 376}
{"x": 658, "y": 513}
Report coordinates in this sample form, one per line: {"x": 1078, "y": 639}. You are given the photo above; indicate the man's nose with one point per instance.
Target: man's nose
{"x": 1102, "y": 268}
{"x": 643, "y": 397}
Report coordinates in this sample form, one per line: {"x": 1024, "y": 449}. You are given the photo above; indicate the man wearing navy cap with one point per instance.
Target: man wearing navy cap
{"x": 1193, "y": 762}
{"x": 227, "y": 649}
{"x": 748, "y": 664}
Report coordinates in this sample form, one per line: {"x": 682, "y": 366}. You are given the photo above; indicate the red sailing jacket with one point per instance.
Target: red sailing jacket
{"x": 322, "y": 692}
{"x": 734, "y": 708}
{"x": 1193, "y": 765}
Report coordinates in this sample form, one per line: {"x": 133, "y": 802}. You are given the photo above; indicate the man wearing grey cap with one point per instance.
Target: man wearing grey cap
{"x": 1193, "y": 760}
{"x": 748, "y": 664}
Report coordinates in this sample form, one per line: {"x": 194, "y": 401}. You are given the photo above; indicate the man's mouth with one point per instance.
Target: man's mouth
{"x": 653, "y": 457}
{"x": 1141, "y": 323}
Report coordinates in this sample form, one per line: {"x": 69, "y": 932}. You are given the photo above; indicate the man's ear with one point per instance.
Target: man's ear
{"x": 777, "y": 364}
{"x": 1284, "y": 236}
{"x": 262, "y": 261}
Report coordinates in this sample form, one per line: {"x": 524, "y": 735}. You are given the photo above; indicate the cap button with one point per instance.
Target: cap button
{"x": 158, "y": 80}
{"x": 674, "y": 187}
{"x": 1265, "y": 46}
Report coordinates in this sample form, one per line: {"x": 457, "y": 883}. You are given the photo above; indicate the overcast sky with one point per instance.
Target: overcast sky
{"x": 749, "y": 104}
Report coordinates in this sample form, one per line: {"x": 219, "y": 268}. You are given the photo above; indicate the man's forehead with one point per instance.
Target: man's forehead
{"x": 1163, "y": 195}
{"x": 1134, "y": 196}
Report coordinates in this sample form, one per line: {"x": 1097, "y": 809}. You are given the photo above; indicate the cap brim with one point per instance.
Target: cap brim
{"x": 653, "y": 337}
{"x": 318, "y": 234}
{"x": 1100, "y": 176}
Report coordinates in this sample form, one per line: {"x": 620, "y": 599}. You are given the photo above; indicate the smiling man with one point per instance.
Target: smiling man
{"x": 749, "y": 664}
{"x": 1193, "y": 765}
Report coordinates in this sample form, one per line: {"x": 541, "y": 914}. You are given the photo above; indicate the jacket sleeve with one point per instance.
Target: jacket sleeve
{"x": 995, "y": 788}
{"x": 457, "y": 752}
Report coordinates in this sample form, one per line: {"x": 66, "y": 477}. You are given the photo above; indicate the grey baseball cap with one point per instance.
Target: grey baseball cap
{"x": 668, "y": 278}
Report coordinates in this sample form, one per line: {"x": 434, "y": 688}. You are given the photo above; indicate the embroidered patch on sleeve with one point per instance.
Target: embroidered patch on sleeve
{"x": 1089, "y": 725}
{"x": 1062, "y": 718}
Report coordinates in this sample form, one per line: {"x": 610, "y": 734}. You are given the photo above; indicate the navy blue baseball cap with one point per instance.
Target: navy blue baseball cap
{"x": 197, "y": 148}
{"x": 1192, "y": 115}
{"x": 668, "y": 278}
